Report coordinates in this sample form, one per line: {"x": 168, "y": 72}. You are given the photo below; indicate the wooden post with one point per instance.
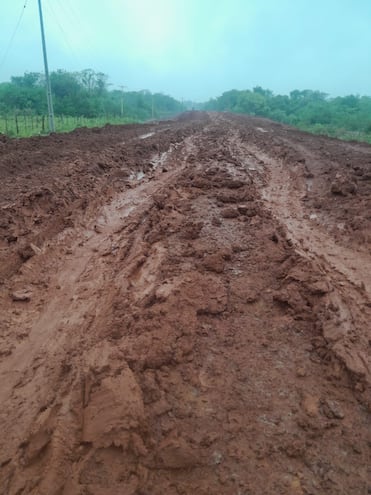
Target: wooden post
{"x": 16, "y": 124}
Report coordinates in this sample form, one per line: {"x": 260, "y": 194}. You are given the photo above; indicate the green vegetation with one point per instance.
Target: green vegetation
{"x": 84, "y": 99}
{"x": 347, "y": 117}
{"x": 80, "y": 99}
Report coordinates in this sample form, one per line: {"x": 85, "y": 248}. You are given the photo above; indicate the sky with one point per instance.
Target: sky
{"x": 196, "y": 49}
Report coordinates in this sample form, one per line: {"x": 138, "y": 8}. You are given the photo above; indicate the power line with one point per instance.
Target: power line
{"x": 73, "y": 17}
{"x": 73, "y": 12}
{"x": 64, "y": 35}
{"x": 80, "y": 27}
{"x": 69, "y": 14}
{"x": 7, "y": 49}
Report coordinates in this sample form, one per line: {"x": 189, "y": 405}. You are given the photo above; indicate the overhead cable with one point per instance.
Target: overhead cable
{"x": 10, "y": 43}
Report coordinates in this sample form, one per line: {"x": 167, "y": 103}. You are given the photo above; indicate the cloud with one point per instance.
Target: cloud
{"x": 199, "y": 48}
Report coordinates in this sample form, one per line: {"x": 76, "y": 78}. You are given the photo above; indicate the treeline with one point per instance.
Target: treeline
{"x": 77, "y": 97}
{"x": 345, "y": 117}
{"x": 85, "y": 98}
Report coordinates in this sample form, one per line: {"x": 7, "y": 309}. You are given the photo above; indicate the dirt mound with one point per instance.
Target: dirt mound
{"x": 179, "y": 317}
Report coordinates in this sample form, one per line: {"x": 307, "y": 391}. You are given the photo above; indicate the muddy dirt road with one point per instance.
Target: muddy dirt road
{"x": 185, "y": 308}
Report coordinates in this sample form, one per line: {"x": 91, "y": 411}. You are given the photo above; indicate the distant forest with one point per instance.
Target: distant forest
{"x": 79, "y": 99}
{"x": 86, "y": 99}
{"x": 347, "y": 117}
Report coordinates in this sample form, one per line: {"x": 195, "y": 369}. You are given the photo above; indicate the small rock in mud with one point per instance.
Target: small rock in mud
{"x": 191, "y": 230}
{"x": 201, "y": 183}
{"x": 214, "y": 263}
{"x": 289, "y": 296}
{"x": 251, "y": 295}
{"x": 301, "y": 373}
{"x": 21, "y": 295}
{"x": 310, "y": 404}
{"x": 232, "y": 196}
{"x": 318, "y": 288}
{"x": 230, "y": 212}
{"x": 243, "y": 209}
{"x": 331, "y": 409}
{"x": 216, "y": 221}
{"x": 247, "y": 210}
{"x": 233, "y": 183}
{"x": 26, "y": 252}
{"x": 274, "y": 237}
{"x": 343, "y": 186}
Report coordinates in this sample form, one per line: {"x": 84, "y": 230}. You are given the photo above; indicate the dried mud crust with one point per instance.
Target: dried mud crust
{"x": 192, "y": 329}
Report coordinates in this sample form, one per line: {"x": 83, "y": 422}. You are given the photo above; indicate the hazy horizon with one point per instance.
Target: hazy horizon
{"x": 195, "y": 50}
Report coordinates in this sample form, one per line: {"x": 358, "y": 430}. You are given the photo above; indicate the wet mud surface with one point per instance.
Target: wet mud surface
{"x": 185, "y": 308}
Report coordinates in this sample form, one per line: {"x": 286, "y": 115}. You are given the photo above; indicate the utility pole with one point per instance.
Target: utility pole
{"x": 153, "y": 108}
{"x": 47, "y": 78}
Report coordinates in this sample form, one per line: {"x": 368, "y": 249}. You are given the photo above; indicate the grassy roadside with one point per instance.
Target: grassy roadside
{"x": 331, "y": 131}
{"x": 27, "y": 126}
{"x": 35, "y": 126}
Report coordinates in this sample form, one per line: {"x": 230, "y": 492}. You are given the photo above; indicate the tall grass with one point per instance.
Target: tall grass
{"x": 336, "y": 132}
{"x": 29, "y": 125}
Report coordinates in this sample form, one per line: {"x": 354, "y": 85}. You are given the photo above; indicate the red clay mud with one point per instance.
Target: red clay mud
{"x": 185, "y": 308}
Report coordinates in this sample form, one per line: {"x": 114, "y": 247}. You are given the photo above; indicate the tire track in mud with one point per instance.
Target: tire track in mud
{"x": 288, "y": 188}
{"x": 349, "y": 277}
{"x": 82, "y": 280}
{"x": 177, "y": 346}
{"x": 283, "y": 187}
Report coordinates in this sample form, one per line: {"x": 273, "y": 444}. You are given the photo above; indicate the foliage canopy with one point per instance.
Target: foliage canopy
{"x": 346, "y": 117}
{"x": 86, "y": 97}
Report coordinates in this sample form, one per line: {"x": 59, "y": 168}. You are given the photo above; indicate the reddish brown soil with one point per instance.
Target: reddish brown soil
{"x": 185, "y": 309}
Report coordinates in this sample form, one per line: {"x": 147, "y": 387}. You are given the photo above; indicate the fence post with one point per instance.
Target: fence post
{"x": 16, "y": 124}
